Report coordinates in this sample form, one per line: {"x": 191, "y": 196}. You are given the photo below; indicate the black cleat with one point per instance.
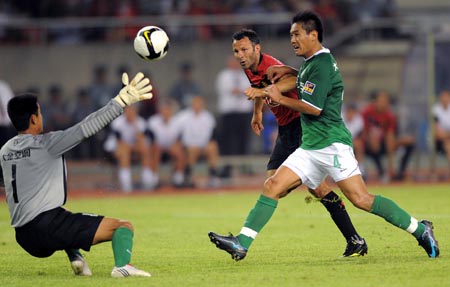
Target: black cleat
{"x": 427, "y": 240}
{"x": 356, "y": 247}
{"x": 229, "y": 244}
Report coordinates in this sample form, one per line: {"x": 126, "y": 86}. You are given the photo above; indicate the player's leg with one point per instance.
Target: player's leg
{"x": 123, "y": 156}
{"x": 355, "y": 190}
{"x": 178, "y": 157}
{"x": 193, "y": 154}
{"x": 356, "y": 245}
{"x": 212, "y": 156}
{"x": 275, "y": 187}
{"x": 78, "y": 263}
{"x": 148, "y": 176}
{"x": 120, "y": 232}
{"x": 408, "y": 144}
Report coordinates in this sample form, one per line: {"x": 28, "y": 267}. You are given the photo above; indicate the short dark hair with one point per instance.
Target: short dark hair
{"x": 250, "y": 34}
{"x": 20, "y": 109}
{"x": 310, "y": 22}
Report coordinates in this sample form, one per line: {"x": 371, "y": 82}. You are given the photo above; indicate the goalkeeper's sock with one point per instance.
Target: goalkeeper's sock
{"x": 122, "y": 245}
{"x": 393, "y": 214}
{"x": 257, "y": 219}
{"x": 335, "y": 206}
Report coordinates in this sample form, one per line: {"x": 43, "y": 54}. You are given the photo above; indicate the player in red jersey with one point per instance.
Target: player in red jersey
{"x": 247, "y": 51}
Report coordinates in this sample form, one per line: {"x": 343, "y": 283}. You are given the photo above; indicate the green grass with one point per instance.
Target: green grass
{"x": 299, "y": 247}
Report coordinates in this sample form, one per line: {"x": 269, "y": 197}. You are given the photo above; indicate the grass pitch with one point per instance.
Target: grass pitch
{"x": 299, "y": 247}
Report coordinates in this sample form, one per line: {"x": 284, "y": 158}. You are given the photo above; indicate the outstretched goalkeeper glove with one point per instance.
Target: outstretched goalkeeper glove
{"x": 137, "y": 90}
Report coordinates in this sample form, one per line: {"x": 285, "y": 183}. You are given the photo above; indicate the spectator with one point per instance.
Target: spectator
{"x": 198, "y": 137}
{"x": 327, "y": 10}
{"x": 165, "y": 130}
{"x": 7, "y": 131}
{"x": 186, "y": 87}
{"x": 380, "y": 138}
{"x": 441, "y": 114}
{"x": 82, "y": 107}
{"x": 148, "y": 108}
{"x": 234, "y": 109}
{"x": 126, "y": 10}
{"x": 131, "y": 144}
{"x": 57, "y": 110}
{"x": 355, "y": 124}
{"x": 99, "y": 90}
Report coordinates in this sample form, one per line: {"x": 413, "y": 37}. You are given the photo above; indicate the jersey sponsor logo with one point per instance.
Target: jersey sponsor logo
{"x": 309, "y": 87}
{"x": 17, "y": 155}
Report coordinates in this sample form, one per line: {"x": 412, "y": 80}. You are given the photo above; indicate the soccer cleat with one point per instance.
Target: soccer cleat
{"x": 229, "y": 244}
{"x": 80, "y": 266}
{"x": 427, "y": 240}
{"x": 357, "y": 246}
{"x": 128, "y": 271}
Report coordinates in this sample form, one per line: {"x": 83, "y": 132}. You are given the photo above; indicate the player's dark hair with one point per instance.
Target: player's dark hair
{"x": 21, "y": 108}
{"x": 247, "y": 33}
{"x": 310, "y": 21}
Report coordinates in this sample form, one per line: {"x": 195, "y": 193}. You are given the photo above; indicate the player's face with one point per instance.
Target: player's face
{"x": 302, "y": 42}
{"x": 247, "y": 53}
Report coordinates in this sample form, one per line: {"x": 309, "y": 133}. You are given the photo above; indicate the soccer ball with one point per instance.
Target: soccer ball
{"x": 151, "y": 43}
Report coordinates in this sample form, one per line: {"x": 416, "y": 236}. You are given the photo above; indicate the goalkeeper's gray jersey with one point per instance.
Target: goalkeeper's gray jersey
{"x": 34, "y": 169}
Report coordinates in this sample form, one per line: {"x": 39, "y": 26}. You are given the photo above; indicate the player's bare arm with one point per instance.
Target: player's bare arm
{"x": 256, "y": 123}
{"x": 253, "y": 93}
{"x": 286, "y": 83}
{"x": 275, "y": 95}
{"x": 276, "y": 72}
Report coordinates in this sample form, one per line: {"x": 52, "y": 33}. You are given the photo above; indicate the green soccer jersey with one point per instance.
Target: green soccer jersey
{"x": 319, "y": 84}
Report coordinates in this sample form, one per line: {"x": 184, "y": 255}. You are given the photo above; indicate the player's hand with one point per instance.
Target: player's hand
{"x": 256, "y": 124}
{"x": 273, "y": 93}
{"x": 137, "y": 90}
{"x": 253, "y": 93}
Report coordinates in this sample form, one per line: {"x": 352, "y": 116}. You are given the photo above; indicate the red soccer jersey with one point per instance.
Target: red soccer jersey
{"x": 375, "y": 121}
{"x": 283, "y": 114}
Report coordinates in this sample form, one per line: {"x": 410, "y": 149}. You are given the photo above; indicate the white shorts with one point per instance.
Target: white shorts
{"x": 312, "y": 166}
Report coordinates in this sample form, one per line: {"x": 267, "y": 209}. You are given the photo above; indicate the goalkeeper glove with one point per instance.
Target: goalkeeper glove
{"x": 137, "y": 90}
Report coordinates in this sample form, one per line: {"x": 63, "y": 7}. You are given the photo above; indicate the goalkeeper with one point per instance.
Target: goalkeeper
{"x": 34, "y": 173}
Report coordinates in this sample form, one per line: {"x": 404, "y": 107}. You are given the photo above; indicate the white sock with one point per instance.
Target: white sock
{"x": 149, "y": 178}
{"x": 125, "y": 179}
{"x": 178, "y": 177}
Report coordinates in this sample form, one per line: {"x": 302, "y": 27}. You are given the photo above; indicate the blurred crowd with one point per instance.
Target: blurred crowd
{"x": 335, "y": 14}
{"x": 178, "y": 129}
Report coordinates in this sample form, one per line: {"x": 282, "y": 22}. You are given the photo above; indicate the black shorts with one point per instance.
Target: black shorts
{"x": 58, "y": 229}
{"x": 288, "y": 140}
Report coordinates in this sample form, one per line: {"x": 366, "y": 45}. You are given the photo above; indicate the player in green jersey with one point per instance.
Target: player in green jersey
{"x": 326, "y": 147}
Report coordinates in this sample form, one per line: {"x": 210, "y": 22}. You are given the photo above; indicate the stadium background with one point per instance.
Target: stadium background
{"x": 400, "y": 46}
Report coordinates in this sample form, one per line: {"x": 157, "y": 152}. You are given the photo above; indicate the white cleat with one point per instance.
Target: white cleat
{"x": 80, "y": 267}
{"x": 127, "y": 271}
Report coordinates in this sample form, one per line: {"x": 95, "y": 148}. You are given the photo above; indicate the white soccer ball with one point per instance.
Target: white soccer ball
{"x": 151, "y": 43}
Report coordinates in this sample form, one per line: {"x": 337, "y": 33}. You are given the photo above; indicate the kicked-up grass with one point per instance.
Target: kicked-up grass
{"x": 300, "y": 246}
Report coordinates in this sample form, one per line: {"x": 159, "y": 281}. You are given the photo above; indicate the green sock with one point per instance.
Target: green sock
{"x": 122, "y": 245}
{"x": 393, "y": 214}
{"x": 257, "y": 219}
